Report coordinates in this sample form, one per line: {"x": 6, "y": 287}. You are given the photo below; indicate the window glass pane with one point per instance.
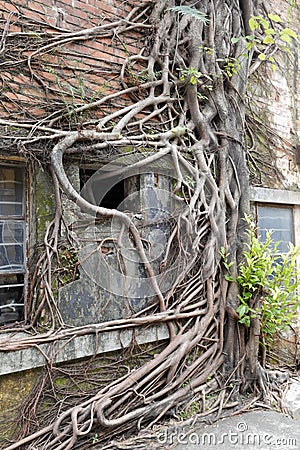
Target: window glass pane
{"x": 11, "y": 191}
{"x": 11, "y": 245}
{"x": 11, "y": 298}
{"x": 280, "y": 221}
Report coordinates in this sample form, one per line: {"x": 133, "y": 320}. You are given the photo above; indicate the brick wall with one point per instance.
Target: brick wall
{"x": 74, "y": 72}
{"x": 277, "y": 95}
{"x": 83, "y": 70}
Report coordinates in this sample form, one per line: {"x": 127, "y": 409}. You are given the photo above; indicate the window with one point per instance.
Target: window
{"x": 280, "y": 221}
{"x": 12, "y": 243}
{"x": 112, "y": 199}
{"x": 109, "y": 191}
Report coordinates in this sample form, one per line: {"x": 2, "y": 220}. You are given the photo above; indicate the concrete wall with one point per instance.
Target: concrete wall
{"x": 66, "y": 350}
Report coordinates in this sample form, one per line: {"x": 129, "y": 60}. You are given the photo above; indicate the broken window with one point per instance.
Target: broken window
{"x": 113, "y": 198}
{"x": 12, "y": 243}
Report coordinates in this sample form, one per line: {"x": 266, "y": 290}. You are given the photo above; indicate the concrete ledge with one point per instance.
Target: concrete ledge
{"x": 266, "y": 195}
{"x": 78, "y": 347}
{"x": 292, "y": 398}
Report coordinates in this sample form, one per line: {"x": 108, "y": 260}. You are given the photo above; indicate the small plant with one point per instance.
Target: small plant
{"x": 193, "y": 76}
{"x": 191, "y": 12}
{"x": 191, "y": 410}
{"x": 67, "y": 270}
{"x": 268, "y": 283}
{"x": 206, "y": 50}
{"x": 95, "y": 438}
{"x": 226, "y": 263}
{"x": 232, "y": 66}
{"x": 267, "y": 36}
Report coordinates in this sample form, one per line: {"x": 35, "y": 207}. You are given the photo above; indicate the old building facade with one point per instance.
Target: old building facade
{"x": 65, "y": 72}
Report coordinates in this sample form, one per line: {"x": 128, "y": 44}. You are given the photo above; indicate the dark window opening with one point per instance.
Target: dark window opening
{"x": 111, "y": 199}
{"x": 114, "y": 197}
{"x": 12, "y": 243}
{"x": 11, "y": 298}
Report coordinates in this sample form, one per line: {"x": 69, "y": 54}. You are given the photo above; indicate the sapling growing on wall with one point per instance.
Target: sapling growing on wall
{"x": 269, "y": 285}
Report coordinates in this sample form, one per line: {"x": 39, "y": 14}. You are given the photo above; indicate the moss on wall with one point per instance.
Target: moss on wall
{"x": 44, "y": 202}
{"x": 67, "y": 384}
{"x": 14, "y": 388}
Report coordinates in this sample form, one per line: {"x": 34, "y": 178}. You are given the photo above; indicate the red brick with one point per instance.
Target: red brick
{"x": 97, "y": 8}
{"x": 14, "y": 28}
{"x": 36, "y": 6}
{"x": 16, "y": 96}
{"x": 72, "y": 24}
{"x": 33, "y": 15}
{"x": 6, "y": 75}
{"x": 79, "y": 5}
{"x": 6, "y": 6}
{"x": 20, "y": 78}
{"x": 78, "y": 14}
{"x": 101, "y": 56}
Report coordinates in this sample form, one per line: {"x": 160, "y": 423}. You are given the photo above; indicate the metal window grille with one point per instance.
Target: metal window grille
{"x": 12, "y": 243}
{"x": 280, "y": 221}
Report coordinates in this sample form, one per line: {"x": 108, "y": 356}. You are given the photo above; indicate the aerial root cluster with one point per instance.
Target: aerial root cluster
{"x": 176, "y": 100}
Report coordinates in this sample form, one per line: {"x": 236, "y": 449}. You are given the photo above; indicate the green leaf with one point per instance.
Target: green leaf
{"x": 289, "y": 32}
{"x": 275, "y": 18}
{"x": 262, "y": 57}
{"x": 192, "y": 12}
{"x": 193, "y": 79}
{"x": 234, "y": 40}
{"x": 245, "y": 320}
{"x": 268, "y": 40}
{"x": 263, "y": 22}
{"x": 228, "y": 278}
{"x": 242, "y": 310}
{"x": 253, "y": 24}
{"x": 285, "y": 38}
{"x": 270, "y": 31}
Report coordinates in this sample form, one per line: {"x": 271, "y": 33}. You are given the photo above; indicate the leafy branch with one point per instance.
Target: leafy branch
{"x": 191, "y": 12}
{"x": 267, "y": 36}
{"x": 269, "y": 284}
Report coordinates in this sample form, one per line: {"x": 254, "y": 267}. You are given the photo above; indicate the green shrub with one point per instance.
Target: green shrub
{"x": 268, "y": 284}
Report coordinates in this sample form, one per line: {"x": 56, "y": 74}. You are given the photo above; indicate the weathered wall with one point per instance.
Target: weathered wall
{"x": 14, "y": 388}
{"x": 79, "y": 69}
{"x": 98, "y": 361}
{"x": 277, "y": 97}
{"x": 112, "y": 283}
